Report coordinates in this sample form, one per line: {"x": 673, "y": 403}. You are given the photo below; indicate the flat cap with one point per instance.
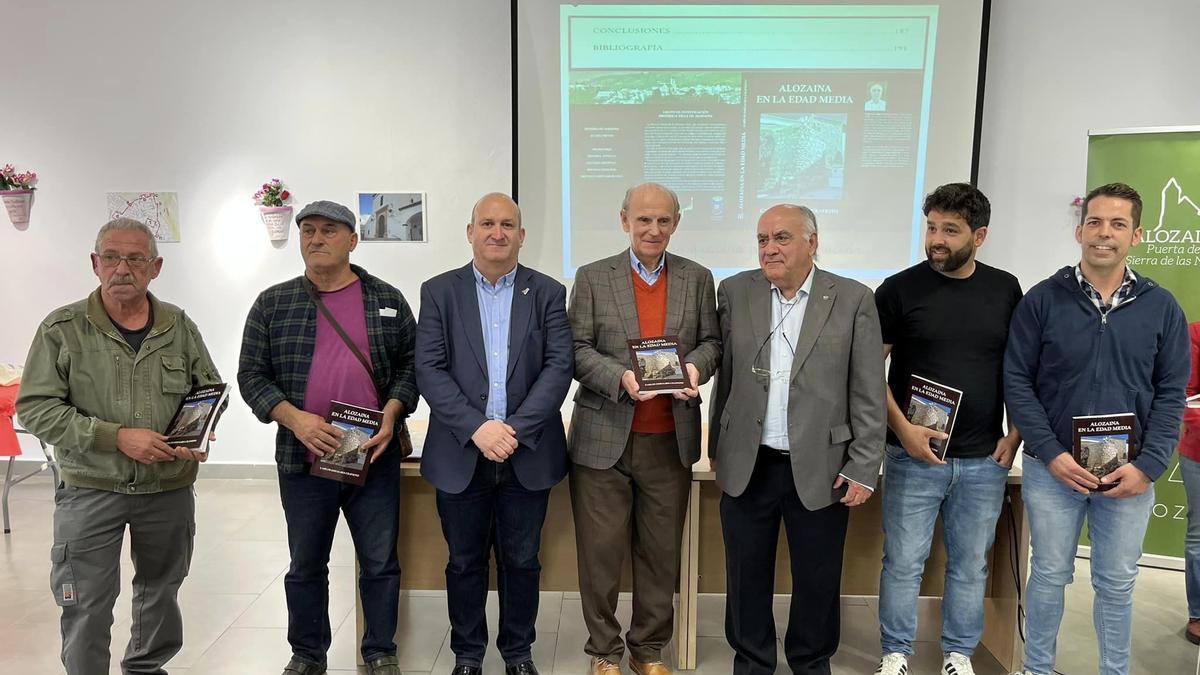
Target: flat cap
{"x": 331, "y": 210}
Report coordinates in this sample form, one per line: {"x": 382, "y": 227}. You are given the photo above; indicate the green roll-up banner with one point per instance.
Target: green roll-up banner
{"x": 1163, "y": 165}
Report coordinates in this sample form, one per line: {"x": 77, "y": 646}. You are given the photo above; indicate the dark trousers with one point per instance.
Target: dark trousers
{"x": 640, "y": 501}
{"x": 495, "y": 512}
{"x": 310, "y": 506}
{"x": 750, "y": 525}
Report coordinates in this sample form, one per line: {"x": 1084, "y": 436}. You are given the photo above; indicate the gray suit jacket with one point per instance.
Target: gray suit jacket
{"x": 836, "y": 401}
{"x": 603, "y": 314}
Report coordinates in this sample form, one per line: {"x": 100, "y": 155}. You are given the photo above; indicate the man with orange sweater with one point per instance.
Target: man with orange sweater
{"x": 631, "y": 451}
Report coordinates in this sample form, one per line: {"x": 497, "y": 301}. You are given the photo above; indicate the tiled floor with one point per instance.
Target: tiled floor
{"x": 235, "y": 615}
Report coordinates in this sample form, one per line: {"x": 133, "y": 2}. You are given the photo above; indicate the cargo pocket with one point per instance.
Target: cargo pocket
{"x": 62, "y": 576}
{"x": 190, "y": 549}
{"x": 174, "y": 375}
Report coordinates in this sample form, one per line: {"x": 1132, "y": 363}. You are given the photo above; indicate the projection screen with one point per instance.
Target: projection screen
{"x": 855, "y": 110}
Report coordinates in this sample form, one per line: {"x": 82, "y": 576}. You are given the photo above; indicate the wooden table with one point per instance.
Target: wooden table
{"x": 423, "y": 556}
{"x": 703, "y": 564}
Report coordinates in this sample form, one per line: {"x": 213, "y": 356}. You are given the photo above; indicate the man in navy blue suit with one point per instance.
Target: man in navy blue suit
{"x": 494, "y": 360}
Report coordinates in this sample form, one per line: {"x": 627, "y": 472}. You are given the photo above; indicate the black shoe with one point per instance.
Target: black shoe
{"x": 384, "y": 665}
{"x": 297, "y": 667}
{"x": 466, "y": 670}
{"x": 526, "y": 668}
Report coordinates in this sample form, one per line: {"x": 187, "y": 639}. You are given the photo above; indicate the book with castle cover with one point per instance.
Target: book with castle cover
{"x": 656, "y": 364}
{"x": 934, "y": 406}
{"x": 196, "y": 417}
{"x": 1102, "y": 443}
{"x": 348, "y": 463}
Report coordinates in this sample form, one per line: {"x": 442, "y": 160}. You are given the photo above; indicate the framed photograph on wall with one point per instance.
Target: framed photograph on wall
{"x": 392, "y": 216}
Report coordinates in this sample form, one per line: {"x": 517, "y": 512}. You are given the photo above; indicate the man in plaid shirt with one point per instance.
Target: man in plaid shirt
{"x": 294, "y": 363}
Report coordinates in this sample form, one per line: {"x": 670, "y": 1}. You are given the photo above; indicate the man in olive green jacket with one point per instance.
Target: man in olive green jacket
{"x": 103, "y": 378}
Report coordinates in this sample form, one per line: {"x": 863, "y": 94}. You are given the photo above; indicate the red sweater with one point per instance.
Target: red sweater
{"x": 653, "y": 416}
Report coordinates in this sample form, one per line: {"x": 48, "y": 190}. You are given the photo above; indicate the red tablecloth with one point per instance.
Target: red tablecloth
{"x": 9, "y": 447}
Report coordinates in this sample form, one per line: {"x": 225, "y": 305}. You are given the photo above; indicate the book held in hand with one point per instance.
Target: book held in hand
{"x": 196, "y": 417}
{"x": 1102, "y": 443}
{"x": 934, "y": 406}
{"x": 656, "y": 364}
{"x": 348, "y": 463}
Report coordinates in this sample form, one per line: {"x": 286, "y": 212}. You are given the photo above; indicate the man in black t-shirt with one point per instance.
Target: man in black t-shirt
{"x": 945, "y": 320}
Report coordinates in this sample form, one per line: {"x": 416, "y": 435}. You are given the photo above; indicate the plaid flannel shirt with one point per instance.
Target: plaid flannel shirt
{"x": 277, "y": 350}
{"x": 1123, "y": 294}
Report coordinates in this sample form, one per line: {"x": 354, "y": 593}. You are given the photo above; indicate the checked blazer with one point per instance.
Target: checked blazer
{"x": 603, "y": 315}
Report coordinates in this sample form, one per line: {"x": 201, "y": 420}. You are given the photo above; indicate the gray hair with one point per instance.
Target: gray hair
{"x": 127, "y": 225}
{"x": 658, "y": 186}
{"x": 811, "y": 226}
{"x": 810, "y": 218}
{"x": 497, "y": 194}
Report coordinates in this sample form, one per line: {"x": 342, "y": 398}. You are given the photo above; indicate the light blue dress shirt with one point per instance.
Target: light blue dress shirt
{"x": 787, "y": 318}
{"x": 647, "y": 275}
{"x": 495, "y": 308}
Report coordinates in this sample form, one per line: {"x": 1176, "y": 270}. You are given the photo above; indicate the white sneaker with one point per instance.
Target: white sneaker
{"x": 893, "y": 663}
{"x": 954, "y": 663}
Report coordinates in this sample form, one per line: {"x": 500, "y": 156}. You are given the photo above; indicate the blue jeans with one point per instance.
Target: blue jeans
{"x": 1190, "y": 470}
{"x": 310, "y": 506}
{"x": 968, "y": 493}
{"x": 1116, "y": 528}
{"x": 494, "y": 512}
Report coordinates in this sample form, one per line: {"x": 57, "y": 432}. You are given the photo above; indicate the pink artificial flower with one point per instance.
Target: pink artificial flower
{"x": 276, "y": 182}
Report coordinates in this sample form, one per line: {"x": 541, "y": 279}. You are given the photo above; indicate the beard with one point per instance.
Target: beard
{"x": 953, "y": 260}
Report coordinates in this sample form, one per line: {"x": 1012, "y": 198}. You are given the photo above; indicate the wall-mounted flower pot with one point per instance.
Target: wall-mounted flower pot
{"x": 278, "y": 220}
{"x": 18, "y": 203}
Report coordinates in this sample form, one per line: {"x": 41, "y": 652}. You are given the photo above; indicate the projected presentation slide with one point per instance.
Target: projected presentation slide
{"x": 740, "y": 107}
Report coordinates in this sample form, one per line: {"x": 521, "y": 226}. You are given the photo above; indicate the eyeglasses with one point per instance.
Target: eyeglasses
{"x": 135, "y": 262}
{"x": 781, "y": 375}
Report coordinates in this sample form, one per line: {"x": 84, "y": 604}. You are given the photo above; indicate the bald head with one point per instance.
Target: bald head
{"x": 495, "y": 234}
{"x": 795, "y": 214}
{"x": 787, "y": 244}
{"x": 496, "y": 199}
{"x": 649, "y": 215}
{"x": 646, "y": 189}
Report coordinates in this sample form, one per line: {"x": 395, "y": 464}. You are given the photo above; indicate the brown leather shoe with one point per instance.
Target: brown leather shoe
{"x": 652, "y": 668}
{"x": 602, "y": 666}
{"x": 1192, "y": 632}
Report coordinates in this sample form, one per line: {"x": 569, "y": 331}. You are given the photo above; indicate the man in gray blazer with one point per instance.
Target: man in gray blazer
{"x": 797, "y": 431}
{"x": 631, "y": 452}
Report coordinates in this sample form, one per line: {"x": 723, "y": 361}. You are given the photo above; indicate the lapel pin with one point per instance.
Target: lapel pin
{"x": 824, "y": 297}
{"x": 525, "y": 291}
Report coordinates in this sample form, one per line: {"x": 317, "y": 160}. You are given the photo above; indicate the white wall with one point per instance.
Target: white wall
{"x": 209, "y": 99}
{"x": 1056, "y": 70}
